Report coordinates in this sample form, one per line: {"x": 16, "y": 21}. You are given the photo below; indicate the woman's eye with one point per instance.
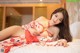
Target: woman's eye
{"x": 55, "y": 15}
{"x": 60, "y": 20}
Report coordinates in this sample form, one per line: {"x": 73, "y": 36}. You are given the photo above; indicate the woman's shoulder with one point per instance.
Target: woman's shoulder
{"x": 41, "y": 18}
{"x": 42, "y": 21}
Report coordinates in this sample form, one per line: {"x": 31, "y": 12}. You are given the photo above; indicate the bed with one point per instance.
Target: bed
{"x": 22, "y": 47}
{"x": 74, "y": 47}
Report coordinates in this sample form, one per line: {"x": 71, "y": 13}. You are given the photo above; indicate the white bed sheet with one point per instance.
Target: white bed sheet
{"x": 74, "y": 47}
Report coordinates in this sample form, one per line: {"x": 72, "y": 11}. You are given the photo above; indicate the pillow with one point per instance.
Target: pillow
{"x": 75, "y": 30}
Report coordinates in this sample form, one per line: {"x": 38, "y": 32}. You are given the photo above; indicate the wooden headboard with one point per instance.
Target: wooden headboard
{"x": 37, "y": 9}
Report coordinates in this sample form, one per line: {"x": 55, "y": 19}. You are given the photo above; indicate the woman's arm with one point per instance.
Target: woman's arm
{"x": 60, "y": 42}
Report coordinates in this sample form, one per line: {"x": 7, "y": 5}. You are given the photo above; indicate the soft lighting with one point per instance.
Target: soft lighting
{"x": 11, "y": 13}
{"x": 41, "y": 0}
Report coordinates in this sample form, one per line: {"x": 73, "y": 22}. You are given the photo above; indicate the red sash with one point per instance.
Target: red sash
{"x": 30, "y": 38}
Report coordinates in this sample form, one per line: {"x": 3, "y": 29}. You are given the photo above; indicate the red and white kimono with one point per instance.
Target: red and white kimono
{"x": 39, "y": 25}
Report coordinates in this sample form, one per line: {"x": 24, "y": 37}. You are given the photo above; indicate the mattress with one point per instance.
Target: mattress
{"x": 74, "y": 47}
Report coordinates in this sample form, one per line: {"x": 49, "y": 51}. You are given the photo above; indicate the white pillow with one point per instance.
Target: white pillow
{"x": 75, "y": 30}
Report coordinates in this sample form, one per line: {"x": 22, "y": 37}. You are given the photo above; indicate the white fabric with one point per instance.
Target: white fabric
{"x": 75, "y": 29}
{"x": 74, "y": 47}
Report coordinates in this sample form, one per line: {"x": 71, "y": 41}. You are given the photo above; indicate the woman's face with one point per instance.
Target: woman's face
{"x": 57, "y": 18}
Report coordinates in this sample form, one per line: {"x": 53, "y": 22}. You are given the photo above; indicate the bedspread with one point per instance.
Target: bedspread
{"x": 74, "y": 47}
{"x": 7, "y": 44}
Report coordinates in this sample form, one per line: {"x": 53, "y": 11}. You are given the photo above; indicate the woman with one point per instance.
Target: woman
{"x": 59, "y": 19}
{"x": 42, "y": 39}
{"x": 64, "y": 25}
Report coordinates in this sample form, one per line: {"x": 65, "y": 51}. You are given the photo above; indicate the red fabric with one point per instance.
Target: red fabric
{"x": 13, "y": 41}
{"x": 7, "y": 49}
{"x": 30, "y": 38}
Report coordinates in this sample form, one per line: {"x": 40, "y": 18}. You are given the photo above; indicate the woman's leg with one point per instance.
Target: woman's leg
{"x": 5, "y": 33}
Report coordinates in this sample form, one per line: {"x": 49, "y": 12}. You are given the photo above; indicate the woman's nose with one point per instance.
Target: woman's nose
{"x": 56, "y": 19}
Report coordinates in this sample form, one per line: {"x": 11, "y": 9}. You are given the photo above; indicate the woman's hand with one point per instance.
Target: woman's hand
{"x": 62, "y": 42}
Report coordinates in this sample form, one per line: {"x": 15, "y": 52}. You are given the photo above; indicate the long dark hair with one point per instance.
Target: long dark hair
{"x": 64, "y": 25}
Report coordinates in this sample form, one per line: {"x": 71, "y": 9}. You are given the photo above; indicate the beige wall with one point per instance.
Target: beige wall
{"x": 74, "y": 11}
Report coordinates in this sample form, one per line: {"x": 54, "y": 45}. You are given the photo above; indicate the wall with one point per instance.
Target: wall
{"x": 26, "y": 19}
{"x": 73, "y": 7}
